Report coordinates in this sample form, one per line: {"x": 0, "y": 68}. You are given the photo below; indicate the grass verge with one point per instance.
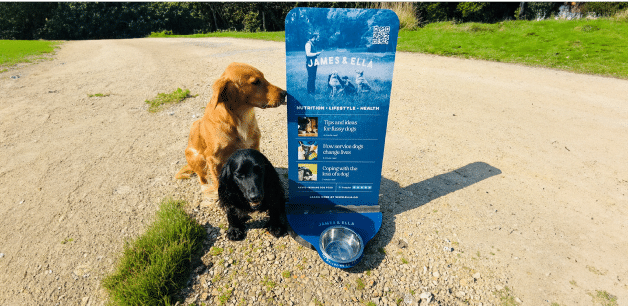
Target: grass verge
{"x": 156, "y": 265}
{"x": 162, "y": 99}
{"x": 583, "y": 46}
{"x": 24, "y": 51}
{"x": 272, "y": 36}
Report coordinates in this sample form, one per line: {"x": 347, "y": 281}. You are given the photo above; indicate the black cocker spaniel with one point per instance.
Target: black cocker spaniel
{"x": 249, "y": 182}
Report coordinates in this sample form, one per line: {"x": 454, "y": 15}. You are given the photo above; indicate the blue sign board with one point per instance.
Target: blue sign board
{"x": 339, "y": 70}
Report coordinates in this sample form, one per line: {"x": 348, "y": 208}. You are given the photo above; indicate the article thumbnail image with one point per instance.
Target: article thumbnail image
{"x": 308, "y": 150}
{"x": 308, "y": 126}
{"x": 308, "y": 172}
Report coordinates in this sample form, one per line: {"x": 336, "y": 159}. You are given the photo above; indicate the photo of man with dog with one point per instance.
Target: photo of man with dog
{"x": 346, "y": 61}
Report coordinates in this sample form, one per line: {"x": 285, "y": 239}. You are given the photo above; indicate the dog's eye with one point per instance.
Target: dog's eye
{"x": 256, "y": 82}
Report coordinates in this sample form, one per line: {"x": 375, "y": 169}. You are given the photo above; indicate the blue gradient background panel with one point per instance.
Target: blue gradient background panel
{"x": 336, "y": 134}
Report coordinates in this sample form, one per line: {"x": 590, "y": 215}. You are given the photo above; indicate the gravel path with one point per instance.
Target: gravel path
{"x": 501, "y": 183}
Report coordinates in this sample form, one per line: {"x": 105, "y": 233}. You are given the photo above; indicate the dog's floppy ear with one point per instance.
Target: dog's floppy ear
{"x": 223, "y": 91}
{"x": 227, "y": 188}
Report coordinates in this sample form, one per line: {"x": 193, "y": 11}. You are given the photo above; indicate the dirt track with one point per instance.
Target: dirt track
{"x": 80, "y": 175}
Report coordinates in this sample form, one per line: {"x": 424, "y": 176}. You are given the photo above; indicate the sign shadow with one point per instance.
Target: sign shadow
{"x": 395, "y": 200}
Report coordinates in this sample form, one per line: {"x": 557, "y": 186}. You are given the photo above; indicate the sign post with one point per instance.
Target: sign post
{"x": 339, "y": 69}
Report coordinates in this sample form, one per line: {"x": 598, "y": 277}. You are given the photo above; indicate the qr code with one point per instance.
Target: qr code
{"x": 381, "y": 35}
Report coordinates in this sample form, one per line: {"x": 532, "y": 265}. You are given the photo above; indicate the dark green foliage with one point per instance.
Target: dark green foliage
{"x": 23, "y": 20}
{"x": 603, "y": 8}
{"x": 91, "y": 20}
{"x": 537, "y": 10}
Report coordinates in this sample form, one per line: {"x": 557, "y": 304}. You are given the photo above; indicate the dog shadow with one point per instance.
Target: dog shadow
{"x": 395, "y": 200}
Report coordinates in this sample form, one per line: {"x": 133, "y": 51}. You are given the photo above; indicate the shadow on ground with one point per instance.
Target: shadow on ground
{"x": 395, "y": 200}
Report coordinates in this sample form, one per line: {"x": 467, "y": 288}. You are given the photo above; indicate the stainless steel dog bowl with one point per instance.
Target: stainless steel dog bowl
{"x": 341, "y": 244}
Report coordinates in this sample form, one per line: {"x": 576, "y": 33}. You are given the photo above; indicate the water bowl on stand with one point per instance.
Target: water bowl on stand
{"x": 341, "y": 245}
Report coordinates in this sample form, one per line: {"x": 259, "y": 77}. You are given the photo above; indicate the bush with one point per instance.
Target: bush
{"x": 434, "y": 12}
{"x": 406, "y": 11}
{"x": 606, "y": 9}
{"x": 472, "y": 11}
{"x": 106, "y": 20}
{"x": 621, "y": 16}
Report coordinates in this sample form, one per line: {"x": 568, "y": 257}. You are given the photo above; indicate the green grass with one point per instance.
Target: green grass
{"x": 360, "y": 285}
{"x": 23, "y": 51}
{"x": 98, "y": 95}
{"x": 582, "y": 46}
{"x": 273, "y": 36}
{"x": 156, "y": 265}
{"x": 162, "y": 99}
{"x": 604, "y": 298}
{"x": 505, "y": 297}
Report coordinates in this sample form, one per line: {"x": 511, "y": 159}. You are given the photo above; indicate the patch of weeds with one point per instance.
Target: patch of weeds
{"x": 604, "y": 298}
{"x": 164, "y": 33}
{"x": 223, "y": 226}
{"x": 382, "y": 251}
{"x": 573, "y": 283}
{"x": 595, "y": 271}
{"x": 98, "y": 95}
{"x": 368, "y": 272}
{"x": 158, "y": 264}
{"x": 589, "y": 28}
{"x": 66, "y": 240}
{"x": 281, "y": 247}
{"x": 286, "y": 274}
{"x": 398, "y": 301}
{"x": 216, "y": 278}
{"x": 475, "y": 27}
{"x": 268, "y": 283}
{"x": 404, "y": 261}
{"x": 370, "y": 303}
{"x": 162, "y": 99}
{"x": 505, "y": 297}
{"x": 360, "y": 284}
{"x": 225, "y": 296}
{"x": 215, "y": 251}
{"x": 300, "y": 267}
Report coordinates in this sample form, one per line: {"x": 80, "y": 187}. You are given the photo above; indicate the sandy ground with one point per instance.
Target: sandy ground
{"x": 79, "y": 176}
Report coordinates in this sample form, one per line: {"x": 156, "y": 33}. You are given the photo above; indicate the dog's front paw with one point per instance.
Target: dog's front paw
{"x": 277, "y": 230}
{"x": 234, "y": 233}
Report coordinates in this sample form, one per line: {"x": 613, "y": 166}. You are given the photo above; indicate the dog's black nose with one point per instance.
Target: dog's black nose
{"x": 256, "y": 199}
